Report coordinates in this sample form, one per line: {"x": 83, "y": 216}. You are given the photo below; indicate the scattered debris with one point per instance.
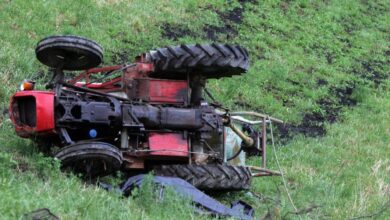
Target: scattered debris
{"x": 238, "y": 209}
{"x": 41, "y": 214}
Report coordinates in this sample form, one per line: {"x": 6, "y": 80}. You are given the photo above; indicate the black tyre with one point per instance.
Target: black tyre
{"x": 210, "y": 60}
{"x": 211, "y": 176}
{"x": 69, "y": 52}
{"x": 90, "y": 158}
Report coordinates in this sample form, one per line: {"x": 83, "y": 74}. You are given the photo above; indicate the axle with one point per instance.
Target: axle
{"x": 75, "y": 109}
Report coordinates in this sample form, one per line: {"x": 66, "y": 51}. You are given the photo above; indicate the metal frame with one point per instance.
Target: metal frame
{"x": 134, "y": 75}
{"x": 265, "y": 119}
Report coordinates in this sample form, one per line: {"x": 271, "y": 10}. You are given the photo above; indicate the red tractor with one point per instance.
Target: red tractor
{"x": 148, "y": 115}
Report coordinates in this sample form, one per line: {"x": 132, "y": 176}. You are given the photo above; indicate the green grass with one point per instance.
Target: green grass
{"x": 346, "y": 172}
{"x": 302, "y": 54}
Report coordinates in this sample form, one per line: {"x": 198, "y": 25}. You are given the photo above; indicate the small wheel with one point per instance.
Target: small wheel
{"x": 210, "y": 60}
{"x": 69, "y": 52}
{"x": 90, "y": 158}
{"x": 210, "y": 176}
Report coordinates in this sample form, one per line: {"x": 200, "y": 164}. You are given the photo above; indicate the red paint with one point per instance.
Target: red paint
{"x": 105, "y": 86}
{"x": 137, "y": 70}
{"x": 87, "y": 73}
{"x": 168, "y": 144}
{"x": 44, "y": 113}
{"x": 162, "y": 91}
{"x": 145, "y": 68}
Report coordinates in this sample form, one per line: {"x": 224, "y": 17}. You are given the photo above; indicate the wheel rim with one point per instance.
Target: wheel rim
{"x": 69, "y": 52}
{"x": 90, "y": 159}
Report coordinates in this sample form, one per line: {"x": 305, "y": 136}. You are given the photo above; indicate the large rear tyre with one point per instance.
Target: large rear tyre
{"x": 90, "y": 158}
{"x": 210, "y": 60}
{"x": 211, "y": 176}
{"x": 69, "y": 52}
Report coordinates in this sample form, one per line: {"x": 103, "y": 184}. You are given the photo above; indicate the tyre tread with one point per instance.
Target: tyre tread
{"x": 211, "y": 176}
{"x": 212, "y": 60}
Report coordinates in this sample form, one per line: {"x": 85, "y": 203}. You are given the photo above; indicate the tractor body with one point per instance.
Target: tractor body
{"x": 144, "y": 117}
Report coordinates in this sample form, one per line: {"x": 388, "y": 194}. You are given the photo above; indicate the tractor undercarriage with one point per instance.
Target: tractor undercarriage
{"x": 149, "y": 115}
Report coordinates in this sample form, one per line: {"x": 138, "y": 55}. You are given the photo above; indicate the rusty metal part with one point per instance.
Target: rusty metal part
{"x": 86, "y": 75}
{"x": 142, "y": 152}
{"x": 133, "y": 162}
{"x": 158, "y": 91}
{"x": 91, "y": 91}
{"x": 263, "y": 171}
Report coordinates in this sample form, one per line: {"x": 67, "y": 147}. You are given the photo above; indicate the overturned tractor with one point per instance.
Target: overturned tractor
{"x": 152, "y": 114}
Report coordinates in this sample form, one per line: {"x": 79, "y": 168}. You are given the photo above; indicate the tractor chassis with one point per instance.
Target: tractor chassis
{"x": 146, "y": 116}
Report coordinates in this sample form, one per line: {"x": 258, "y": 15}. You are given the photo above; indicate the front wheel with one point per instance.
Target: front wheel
{"x": 69, "y": 52}
{"x": 92, "y": 159}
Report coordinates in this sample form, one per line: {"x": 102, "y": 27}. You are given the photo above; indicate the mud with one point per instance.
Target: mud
{"x": 311, "y": 126}
{"x": 372, "y": 70}
{"x": 313, "y": 123}
{"x": 227, "y": 30}
{"x": 235, "y": 15}
{"x": 330, "y": 108}
{"x": 174, "y": 32}
{"x": 322, "y": 82}
{"x": 229, "y": 19}
{"x": 344, "y": 95}
{"x": 214, "y": 33}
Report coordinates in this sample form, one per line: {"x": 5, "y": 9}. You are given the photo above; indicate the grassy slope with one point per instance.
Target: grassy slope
{"x": 304, "y": 54}
{"x": 344, "y": 173}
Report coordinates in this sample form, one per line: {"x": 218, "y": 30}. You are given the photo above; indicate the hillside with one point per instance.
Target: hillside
{"x": 323, "y": 67}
